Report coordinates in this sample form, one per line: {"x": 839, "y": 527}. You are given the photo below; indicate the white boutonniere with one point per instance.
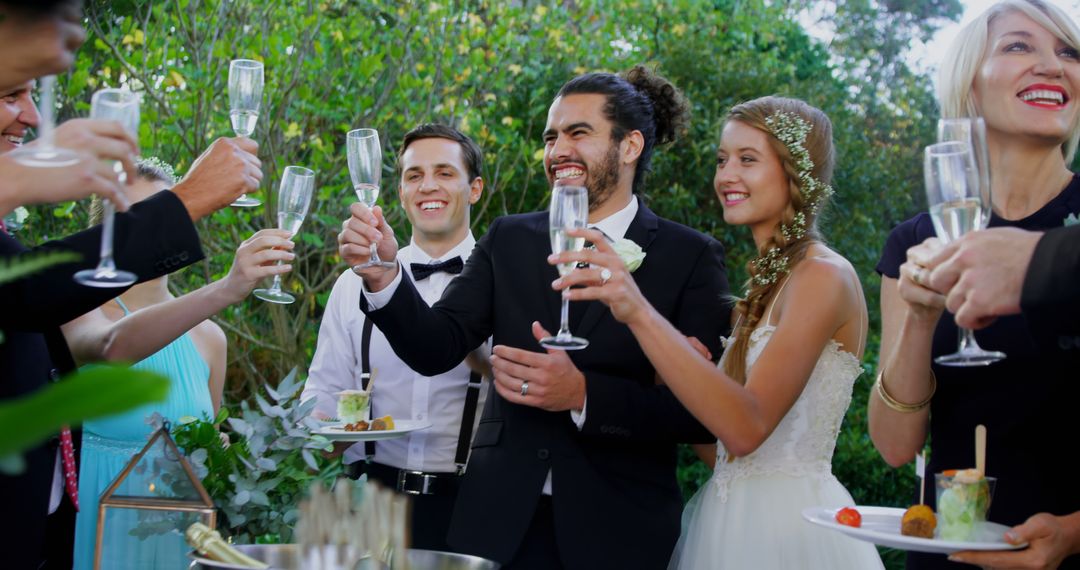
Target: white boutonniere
{"x": 1071, "y": 220}
{"x": 630, "y": 253}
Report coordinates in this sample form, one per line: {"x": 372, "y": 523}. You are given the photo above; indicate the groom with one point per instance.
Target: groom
{"x": 573, "y": 463}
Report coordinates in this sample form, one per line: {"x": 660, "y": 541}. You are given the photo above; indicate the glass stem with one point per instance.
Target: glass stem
{"x": 47, "y": 108}
{"x": 277, "y": 282}
{"x": 564, "y": 316}
{"x": 109, "y": 213}
{"x": 967, "y": 340}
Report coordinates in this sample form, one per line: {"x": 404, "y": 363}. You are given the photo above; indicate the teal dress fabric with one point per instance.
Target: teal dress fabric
{"x": 108, "y": 444}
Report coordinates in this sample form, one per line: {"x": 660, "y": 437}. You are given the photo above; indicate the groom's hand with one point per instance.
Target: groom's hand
{"x": 367, "y": 228}
{"x": 554, "y": 383}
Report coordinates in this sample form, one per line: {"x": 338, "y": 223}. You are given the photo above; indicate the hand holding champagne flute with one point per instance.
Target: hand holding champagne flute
{"x": 365, "y": 168}
{"x": 953, "y": 192}
{"x": 569, "y": 210}
{"x": 245, "y": 98}
{"x": 294, "y": 198}
{"x": 122, "y": 106}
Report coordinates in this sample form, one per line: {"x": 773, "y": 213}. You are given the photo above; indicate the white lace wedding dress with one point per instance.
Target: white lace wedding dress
{"x": 748, "y": 516}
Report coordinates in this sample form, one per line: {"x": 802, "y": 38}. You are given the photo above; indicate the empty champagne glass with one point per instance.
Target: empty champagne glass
{"x": 294, "y": 198}
{"x": 44, "y": 153}
{"x": 365, "y": 167}
{"x": 569, "y": 211}
{"x": 245, "y": 97}
{"x": 972, "y": 130}
{"x": 955, "y": 200}
{"x": 122, "y": 106}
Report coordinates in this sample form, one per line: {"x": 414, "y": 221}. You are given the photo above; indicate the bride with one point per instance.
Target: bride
{"x": 776, "y": 400}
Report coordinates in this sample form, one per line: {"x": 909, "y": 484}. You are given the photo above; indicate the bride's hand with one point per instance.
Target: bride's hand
{"x": 606, "y": 280}
{"x": 913, "y": 284}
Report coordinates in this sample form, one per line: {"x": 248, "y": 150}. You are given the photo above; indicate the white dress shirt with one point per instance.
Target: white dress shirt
{"x": 398, "y": 391}
{"x": 614, "y": 226}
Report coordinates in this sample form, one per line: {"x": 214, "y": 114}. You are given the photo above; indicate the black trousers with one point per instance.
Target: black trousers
{"x": 430, "y": 514}
{"x": 538, "y": 550}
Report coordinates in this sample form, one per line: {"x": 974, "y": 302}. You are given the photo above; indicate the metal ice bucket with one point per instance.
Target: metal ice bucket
{"x": 287, "y": 557}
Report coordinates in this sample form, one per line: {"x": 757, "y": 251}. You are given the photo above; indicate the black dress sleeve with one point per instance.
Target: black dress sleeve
{"x": 907, "y": 234}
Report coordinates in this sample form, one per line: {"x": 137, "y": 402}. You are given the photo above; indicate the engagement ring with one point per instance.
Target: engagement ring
{"x": 605, "y": 274}
{"x": 524, "y": 388}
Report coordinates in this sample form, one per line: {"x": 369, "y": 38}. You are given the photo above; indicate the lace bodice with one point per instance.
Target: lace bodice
{"x": 803, "y": 443}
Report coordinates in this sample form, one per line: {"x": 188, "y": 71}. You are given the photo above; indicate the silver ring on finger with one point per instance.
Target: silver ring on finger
{"x": 605, "y": 275}
{"x": 916, "y": 276}
{"x": 525, "y": 388}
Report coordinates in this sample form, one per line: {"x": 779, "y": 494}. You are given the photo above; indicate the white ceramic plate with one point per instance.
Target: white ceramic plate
{"x": 336, "y": 432}
{"x": 881, "y": 526}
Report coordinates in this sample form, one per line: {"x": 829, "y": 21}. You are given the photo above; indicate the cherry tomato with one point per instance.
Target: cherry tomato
{"x": 849, "y": 516}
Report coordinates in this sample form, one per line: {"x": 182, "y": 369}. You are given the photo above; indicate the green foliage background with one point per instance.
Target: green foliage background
{"x": 491, "y": 68}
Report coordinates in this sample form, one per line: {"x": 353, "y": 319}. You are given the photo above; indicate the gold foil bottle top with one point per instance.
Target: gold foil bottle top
{"x": 210, "y": 544}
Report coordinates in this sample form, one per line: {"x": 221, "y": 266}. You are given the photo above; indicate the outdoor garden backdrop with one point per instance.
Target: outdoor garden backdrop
{"x": 491, "y": 68}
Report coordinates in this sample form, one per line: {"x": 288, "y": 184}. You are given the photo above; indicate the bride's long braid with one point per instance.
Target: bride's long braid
{"x": 801, "y": 136}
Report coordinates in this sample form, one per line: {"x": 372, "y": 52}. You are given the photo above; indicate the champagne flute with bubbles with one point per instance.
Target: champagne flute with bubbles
{"x": 245, "y": 97}
{"x": 294, "y": 198}
{"x": 569, "y": 211}
{"x": 972, "y": 130}
{"x": 365, "y": 168}
{"x": 122, "y": 106}
{"x": 44, "y": 153}
{"x": 953, "y": 192}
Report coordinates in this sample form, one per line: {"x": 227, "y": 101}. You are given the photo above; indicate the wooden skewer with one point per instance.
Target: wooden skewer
{"x": 980, "y": 449}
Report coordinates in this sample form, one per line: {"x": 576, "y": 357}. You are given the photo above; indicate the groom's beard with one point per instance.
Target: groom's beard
{"x": 604, "y": 178}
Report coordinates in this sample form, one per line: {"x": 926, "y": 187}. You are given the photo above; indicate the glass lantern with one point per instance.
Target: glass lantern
{"x": 143, "y": 514}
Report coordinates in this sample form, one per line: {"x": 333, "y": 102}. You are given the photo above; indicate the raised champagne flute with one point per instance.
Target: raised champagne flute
{"x": 972, "y": 130}
{"x": 569, "y": 211}
{"x": 365, "y": 168}
{"x": 956, "y": 208}
{"x": 245, "y": 97}
{"x": 294, "y": 198}
{"x": 44, "y": 153}
{"x": 122, "y": 106}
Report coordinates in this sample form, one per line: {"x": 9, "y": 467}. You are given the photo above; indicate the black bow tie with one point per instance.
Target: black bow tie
{"x": 422, "y": 271}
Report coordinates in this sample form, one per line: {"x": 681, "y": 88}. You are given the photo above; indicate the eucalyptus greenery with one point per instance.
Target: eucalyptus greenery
{"x": 258, "y": 480}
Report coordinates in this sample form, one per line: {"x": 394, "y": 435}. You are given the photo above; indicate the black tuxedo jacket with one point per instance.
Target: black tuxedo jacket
{"x": 154, "y": 238}
{"x": 1051, "y": 296}
{"x": 615, "y": 496}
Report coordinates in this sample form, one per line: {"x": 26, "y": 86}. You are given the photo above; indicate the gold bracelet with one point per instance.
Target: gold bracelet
{"x": 898, "y": 406}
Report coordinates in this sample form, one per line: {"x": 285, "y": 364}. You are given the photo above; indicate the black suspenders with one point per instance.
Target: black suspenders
{"x": 472, "y": 398}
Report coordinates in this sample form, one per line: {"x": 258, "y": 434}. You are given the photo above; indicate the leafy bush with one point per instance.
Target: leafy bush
{"x": 258, "y": 481}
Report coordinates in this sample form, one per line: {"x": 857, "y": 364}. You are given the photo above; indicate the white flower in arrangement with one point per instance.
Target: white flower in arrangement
{"x": 630, "y": 253}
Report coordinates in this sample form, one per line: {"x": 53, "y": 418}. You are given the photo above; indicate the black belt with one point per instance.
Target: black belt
{"x": 407, "y": 481}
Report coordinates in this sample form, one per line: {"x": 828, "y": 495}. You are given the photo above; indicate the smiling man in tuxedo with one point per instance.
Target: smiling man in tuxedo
{"x": 573, "y": 463}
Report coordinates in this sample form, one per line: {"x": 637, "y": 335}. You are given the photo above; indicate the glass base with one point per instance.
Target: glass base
{"x": 976, "y": 357}
{"x": 375, "y": 263}
{"x": 45, "y": 157}
{"x": 245, "y": 201}
{"x": 274, "y": 296}
{"x": 105, "y": 278}
{"x": 564, "y": 342}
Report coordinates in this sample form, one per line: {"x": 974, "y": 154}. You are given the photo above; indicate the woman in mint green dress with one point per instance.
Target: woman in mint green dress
{"x": 173, "y": 337}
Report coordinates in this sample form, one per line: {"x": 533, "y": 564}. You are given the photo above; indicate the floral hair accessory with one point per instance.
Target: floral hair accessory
{"x": 155, "y": 162}
{"x": 770, "y": 267}
{"x": 792, "y": 130}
